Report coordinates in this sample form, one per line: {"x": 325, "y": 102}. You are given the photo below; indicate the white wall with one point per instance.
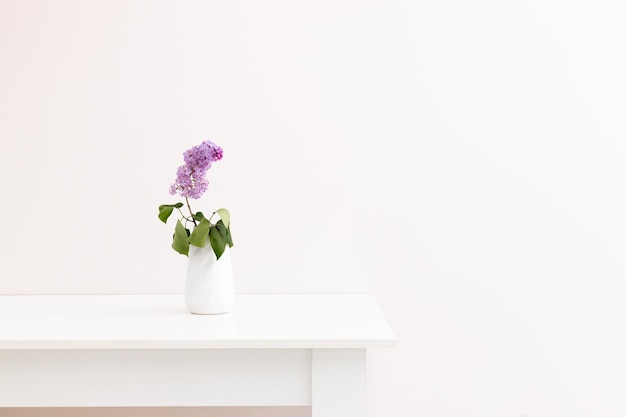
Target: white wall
{"x": 461, "y": 160}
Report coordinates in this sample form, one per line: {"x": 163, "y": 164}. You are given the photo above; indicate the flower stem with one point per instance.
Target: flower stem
{"x": 191, "y": 212}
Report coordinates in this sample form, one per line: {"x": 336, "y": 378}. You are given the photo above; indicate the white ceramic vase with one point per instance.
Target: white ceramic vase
{"x": 210, "y": 288}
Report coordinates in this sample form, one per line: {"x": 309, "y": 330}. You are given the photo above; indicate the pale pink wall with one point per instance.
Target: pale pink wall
{"x": 100, "y": 98}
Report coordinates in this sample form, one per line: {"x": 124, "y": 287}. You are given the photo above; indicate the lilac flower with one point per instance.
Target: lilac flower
{"x": 190, "y": 178}
{"x": 200, "y": 157}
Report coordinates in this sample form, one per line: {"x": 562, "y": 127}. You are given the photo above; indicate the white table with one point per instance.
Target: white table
{"x": 147, "y": 350}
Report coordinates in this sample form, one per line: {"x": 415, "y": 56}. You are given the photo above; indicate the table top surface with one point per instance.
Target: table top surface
{"x": 163, "y": 322}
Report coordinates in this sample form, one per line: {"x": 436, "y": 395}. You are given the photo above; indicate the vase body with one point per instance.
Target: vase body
{"x": 210, "y": 288}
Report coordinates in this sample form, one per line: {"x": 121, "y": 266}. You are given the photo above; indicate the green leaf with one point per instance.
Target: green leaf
{"x": 224, "y": 215}
{"x": 221, "y": 228}
{"x": 165, "y": 210}
{"x": 229, "y": 238}
{"x": 181, "y": 243}
{"x": 199, "y": 216}
{"x": 200, "y": 233}
{"x": 218, "y": 242}
{"x": 225, "y": 232}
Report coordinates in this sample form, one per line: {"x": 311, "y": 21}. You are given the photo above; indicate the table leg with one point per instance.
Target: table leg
{"x": 338, "y": 383}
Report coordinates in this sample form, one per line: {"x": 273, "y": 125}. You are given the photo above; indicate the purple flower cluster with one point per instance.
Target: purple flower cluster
{"x": 190, "y": 178}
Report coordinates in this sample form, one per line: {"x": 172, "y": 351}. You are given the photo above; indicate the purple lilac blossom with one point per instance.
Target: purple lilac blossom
{"x": 190, "y": 178}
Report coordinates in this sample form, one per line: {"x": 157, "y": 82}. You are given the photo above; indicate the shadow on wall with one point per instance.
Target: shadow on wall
{"x": 159, "y": 412}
